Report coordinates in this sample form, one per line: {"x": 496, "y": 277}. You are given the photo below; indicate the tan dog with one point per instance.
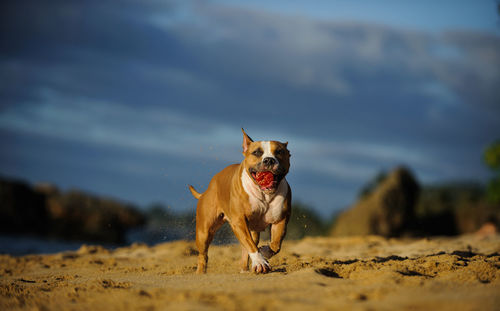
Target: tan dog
{"x": 250, "y": 196}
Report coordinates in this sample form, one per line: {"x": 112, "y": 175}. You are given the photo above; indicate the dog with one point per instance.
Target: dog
{"x": 250, "y": 196}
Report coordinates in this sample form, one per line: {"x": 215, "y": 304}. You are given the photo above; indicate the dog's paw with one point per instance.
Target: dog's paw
{"x": 259, "y": 263}
{"x": 266, "y": 251}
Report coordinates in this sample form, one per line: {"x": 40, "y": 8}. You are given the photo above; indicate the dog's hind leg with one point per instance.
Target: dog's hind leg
{"x": 244, "y": 252}
{"x": 207, "y": 223}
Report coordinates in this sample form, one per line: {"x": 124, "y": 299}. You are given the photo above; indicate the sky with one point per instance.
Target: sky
{"x": 136, "y": 99}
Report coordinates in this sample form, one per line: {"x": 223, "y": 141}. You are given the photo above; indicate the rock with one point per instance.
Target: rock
{"x": 474, "y": 216}
{"x": 21, "y": 208}
{"x": 72, "y": 215}
{"x": 388, "y": 210}
{"x": 454, "y": 208}
{"x": 487, "y": 230}
{"x": 80, "y": 216}
{"x": 46, "y": 188}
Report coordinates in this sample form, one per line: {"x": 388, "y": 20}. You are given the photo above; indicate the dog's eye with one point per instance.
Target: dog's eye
{"x": 279, "y": 152}
{"x": 257, "y": 152}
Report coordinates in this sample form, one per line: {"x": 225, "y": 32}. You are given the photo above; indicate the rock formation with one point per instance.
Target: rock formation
{"x": 73, "y": 215}
{"x": 388, "y": 210}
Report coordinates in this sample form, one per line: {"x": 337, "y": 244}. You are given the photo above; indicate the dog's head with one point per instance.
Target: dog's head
{"x": 267, "y": 162}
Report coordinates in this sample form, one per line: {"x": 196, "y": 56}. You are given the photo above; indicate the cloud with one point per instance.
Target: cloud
{"x": 475, "y": 75}
{"x": 160, "y": 130}
{"x": 227, "y": 53}
{"x": 166, "y": 131}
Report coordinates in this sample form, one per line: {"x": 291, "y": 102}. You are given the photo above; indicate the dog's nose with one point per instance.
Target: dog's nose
{"x": 269, "y": 161}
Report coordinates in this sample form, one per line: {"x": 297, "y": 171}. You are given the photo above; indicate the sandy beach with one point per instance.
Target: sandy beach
{"x": 357, "y": 273}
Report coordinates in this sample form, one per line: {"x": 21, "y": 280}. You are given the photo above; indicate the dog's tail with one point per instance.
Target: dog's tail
{"x": 195, "y": 193}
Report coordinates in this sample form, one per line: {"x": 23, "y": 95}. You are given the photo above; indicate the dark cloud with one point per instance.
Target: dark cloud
{"x": 474, "y": 74}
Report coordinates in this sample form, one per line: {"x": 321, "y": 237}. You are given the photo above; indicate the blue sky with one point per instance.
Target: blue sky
{"x": 424, "y": 15}
{"x": 137, "y": 99}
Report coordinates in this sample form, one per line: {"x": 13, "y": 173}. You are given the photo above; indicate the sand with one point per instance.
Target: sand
{"x": 359, "y": 273}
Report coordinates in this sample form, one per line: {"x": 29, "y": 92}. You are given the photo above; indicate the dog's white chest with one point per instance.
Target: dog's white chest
{"x": 266, "y": 209}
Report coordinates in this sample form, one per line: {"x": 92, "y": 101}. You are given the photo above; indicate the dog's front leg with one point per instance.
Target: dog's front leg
{"x": 244, "y": 251}
{"x": 278, "y": 232}
{"x": 240, "y": 229}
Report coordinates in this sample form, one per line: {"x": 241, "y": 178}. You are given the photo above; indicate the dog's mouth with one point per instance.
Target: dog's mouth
{"x": 266, "y": 180}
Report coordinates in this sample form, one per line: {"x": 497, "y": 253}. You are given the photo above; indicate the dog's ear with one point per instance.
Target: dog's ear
{"x": 286, "y": 146}
{"x": 246, "y": 141}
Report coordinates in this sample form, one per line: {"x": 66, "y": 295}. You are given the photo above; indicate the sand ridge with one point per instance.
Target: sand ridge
{"x": 356, "y": 273}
